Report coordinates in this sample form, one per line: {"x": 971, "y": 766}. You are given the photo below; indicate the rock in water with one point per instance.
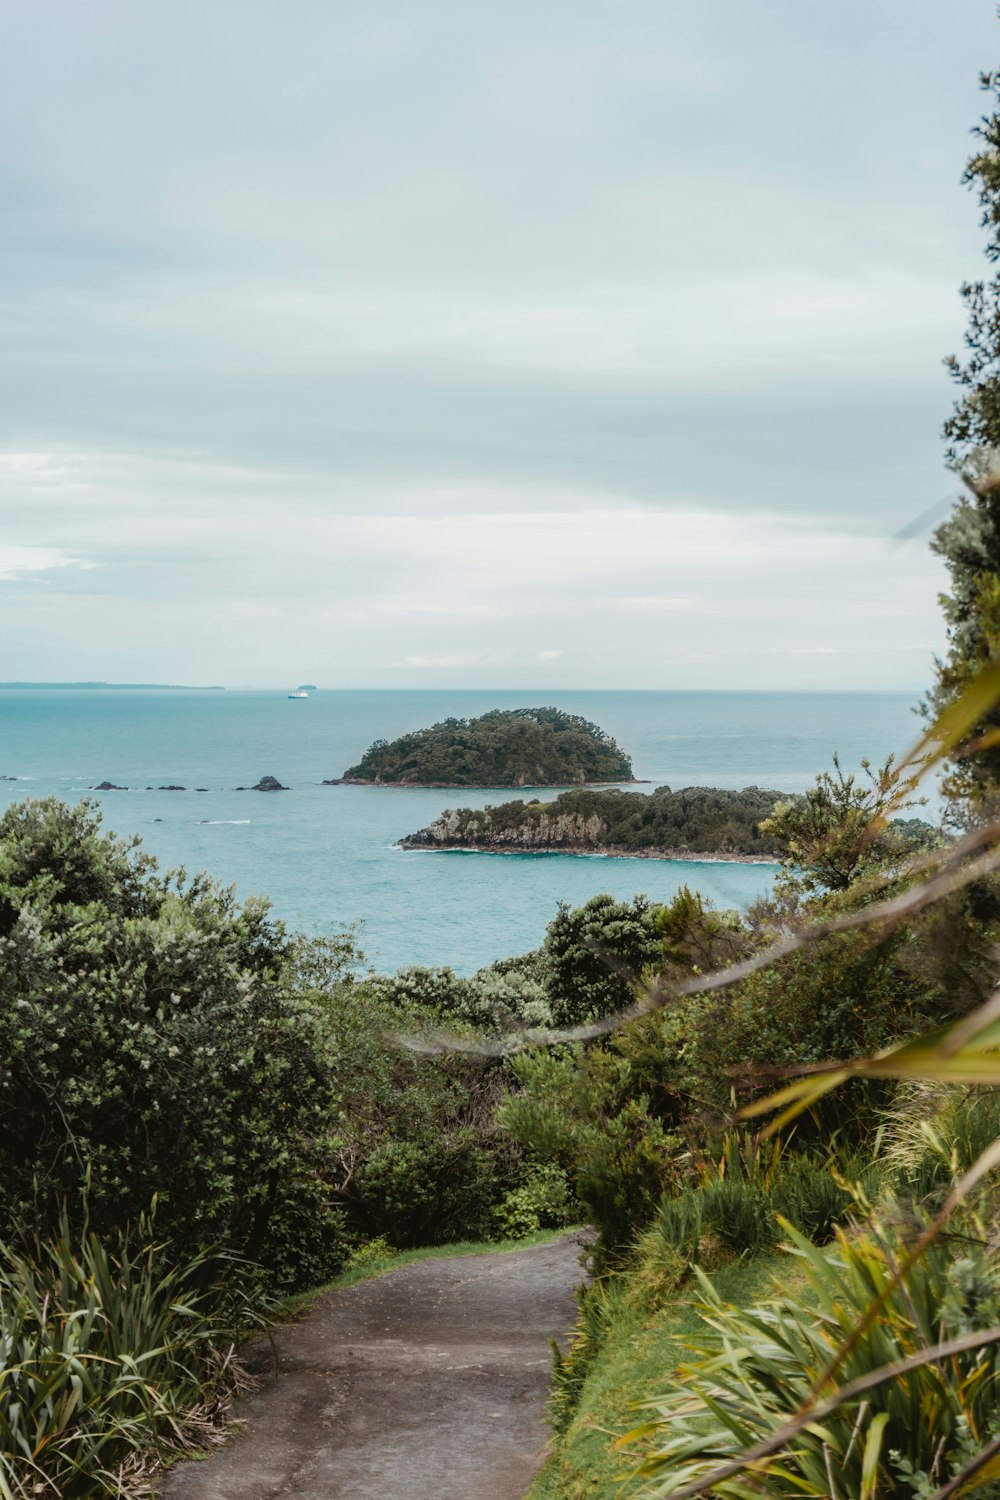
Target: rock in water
{"x": 265, "y": 784}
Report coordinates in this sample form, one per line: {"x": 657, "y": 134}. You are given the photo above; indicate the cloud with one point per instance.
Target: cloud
{"x": 19, "y": 563}
{"x": 420, "y": 339}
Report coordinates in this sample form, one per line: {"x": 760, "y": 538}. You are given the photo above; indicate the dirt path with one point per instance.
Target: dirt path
{"x": 427, "y": 1384}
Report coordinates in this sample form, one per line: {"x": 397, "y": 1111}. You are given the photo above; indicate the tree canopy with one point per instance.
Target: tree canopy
{"x": 702, "y": 820}
{"x": 507, "y": 747}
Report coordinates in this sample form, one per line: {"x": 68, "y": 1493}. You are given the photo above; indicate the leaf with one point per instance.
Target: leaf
{"x": 872, "y": 1454}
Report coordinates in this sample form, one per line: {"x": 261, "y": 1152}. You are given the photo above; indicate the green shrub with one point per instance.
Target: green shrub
{"x": 810, "y": 1197}
{"x": 756, "y": 1366}
{"x": 542, "y": 1200}
{"x": 740, "y": 1213}
{"x": 575, "y": 1109}
{"x": 371, "y": 1253}
{"x": 148, "y": 1041}
{"x": 679, "y": 1223}
{"x": 933, "y": 1133}
{"x": 111, "y": 1357}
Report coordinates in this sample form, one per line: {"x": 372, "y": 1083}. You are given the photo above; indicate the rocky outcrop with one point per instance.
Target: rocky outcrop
{"x": 265, "y": 784}
{"x": 694, "y": 823}
{"x": 459, "y": 828}
{"x": 108, "y": 786}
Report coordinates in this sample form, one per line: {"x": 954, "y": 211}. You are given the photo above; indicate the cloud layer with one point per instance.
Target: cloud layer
{"x": 572, "y": 344}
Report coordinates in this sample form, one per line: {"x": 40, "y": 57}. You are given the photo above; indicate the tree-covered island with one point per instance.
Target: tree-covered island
{"x": 663, "y": 824}
{"x": 506, "y": 747}
{"x": 695, "y": 823}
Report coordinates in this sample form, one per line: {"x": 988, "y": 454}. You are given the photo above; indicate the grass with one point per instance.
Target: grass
{"x": 641, "y": 1351}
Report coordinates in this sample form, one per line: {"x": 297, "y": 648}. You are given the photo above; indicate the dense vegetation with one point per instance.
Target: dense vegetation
{"x": 162, "y": 1045}
{"x": 507, "y": 747}
{"x": 700, "y": 820}
{"x": 199, "y": 1111}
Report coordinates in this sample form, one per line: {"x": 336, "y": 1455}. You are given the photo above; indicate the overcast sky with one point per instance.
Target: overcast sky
{"x": 588, "y": 343}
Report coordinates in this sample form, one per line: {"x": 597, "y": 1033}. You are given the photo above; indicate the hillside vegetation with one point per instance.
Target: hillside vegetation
{"x": 698, "y": 819}
{"x": 508, "y": 747}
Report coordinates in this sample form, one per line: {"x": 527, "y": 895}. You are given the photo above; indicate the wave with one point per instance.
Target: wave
{"x": 229, "y": 822}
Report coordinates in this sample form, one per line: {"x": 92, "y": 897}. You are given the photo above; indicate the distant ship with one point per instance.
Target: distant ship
{"x": 299, "y": 694}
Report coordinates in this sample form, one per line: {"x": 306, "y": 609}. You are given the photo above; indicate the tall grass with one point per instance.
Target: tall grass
{"x": 110, "y": 1359}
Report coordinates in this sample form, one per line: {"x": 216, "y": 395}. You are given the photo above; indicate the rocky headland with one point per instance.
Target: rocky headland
{"x": 697, "y": 823}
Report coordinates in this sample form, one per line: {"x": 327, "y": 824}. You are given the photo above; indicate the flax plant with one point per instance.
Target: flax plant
{"x": 110, "y": 1359}
{"x": 755, "y": 1366}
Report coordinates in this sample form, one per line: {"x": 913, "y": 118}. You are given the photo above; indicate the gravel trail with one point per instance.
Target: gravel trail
{"x": 425, "y": 1384}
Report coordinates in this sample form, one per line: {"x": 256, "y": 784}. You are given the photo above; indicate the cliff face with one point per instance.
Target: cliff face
{"x": 459, "y": 828}
{"x": 705, "y": 822}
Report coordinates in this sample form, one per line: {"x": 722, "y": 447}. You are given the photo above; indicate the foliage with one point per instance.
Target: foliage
{"x": 507, "y": 747}
{"x": 600, "y": 1306}
{"x": 541, "y": 1200}
{"x": 596, "y": 954}
{"x": 758, "y": 1365}
{"x": 576, "y": 1108}
{"x": 839, "y": 829}
{"x": 411, "y": 1147}
{"x": 704, "y": 820}
{"x": 147, "y": 1043}
{"x": 969, "y": 541}
{"x": 738, "y": 1198}
{"x": 630, "y": 1335}
{"x": 495, "y": 999}
{"x": 111, "y": 1354}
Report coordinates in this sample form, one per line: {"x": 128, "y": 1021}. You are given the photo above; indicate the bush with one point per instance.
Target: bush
{"x": 412, "y": 1148}
{"x": 542, "y": 1200}
{"x": 111, "y": 1357}
{"x": 595, "y": 955}
{"x": 907, "y": 1436}
{"x": 575, "y": 1108}
{"x": 148, "y": 1042}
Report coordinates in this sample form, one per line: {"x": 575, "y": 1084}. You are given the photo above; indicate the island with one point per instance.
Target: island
{"x": 516, "y": 747}
{"x": 696, "y": 823}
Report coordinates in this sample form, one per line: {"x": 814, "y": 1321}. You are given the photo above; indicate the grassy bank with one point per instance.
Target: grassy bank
{"x": 640, "y": 1344}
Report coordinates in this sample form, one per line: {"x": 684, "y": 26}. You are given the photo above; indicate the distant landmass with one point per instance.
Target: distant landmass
{"x": 513, "y": 747}
{"x": 120, "y": 686}
{"x": 697, "y": 822}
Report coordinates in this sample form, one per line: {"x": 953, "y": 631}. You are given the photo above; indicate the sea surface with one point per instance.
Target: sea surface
{"x": 325, "y": 856}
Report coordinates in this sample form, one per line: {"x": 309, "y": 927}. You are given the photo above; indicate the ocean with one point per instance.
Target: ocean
{"x": 325, "y": 856}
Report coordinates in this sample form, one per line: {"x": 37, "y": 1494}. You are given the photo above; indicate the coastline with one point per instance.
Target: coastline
{"x": 484, "y": 786}
{"x": 670, "y": 856}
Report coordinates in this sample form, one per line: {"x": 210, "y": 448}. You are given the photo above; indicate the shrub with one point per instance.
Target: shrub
{"x": 596, "y": 953}
{"x": 758, "y": 1365}
{"x": 600, "y": 1306}
{"x": 147, "y": 1041}
{"x": 111, "y": 1357}
{"x": 576, "y": 1109}
{"x": 542, "y": 1200}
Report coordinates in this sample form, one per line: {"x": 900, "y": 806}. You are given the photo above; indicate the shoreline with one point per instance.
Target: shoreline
{"x": 484, "y": 786}
{"x": 670, "y": 856}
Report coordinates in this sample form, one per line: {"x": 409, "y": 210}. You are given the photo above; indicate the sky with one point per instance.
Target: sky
{"x": 588, "y": 344}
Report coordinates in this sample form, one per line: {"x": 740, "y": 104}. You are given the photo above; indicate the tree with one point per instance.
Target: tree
{"x": 149, "y": 1043}
{"x": 596, "y": 953}
{"x": 969, "y": 541}
{"x": 838, "y": 828}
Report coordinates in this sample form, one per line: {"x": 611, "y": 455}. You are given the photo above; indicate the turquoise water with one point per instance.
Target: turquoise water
{"x": 325, "y": 856}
